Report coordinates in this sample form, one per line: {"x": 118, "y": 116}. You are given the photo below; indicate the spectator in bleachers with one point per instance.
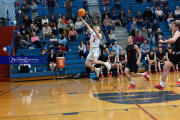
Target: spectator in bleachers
{"x": 155, "y": 26}
{"x": 59, "y": 18}
{"x": 51, "y": 60}
{"x": 71, "y": 23}
{"x": 116, "y": 48}
{"x": 96, "y": 19}
{"x": 103, "y": 37}
{"x": 117, "y": 5}
{"x": 85, "y": 5}
{"x": 88, "y": 20}
{"x": 45, "y": 48}
{"x": 167, "y": 12}
{"x": 53, "y": 40}
{"x": 33, "y": 8}
{"x": 144, "y": 33}
{"x": 147, "y": 15}
{"x": 37, "y": 21}
{"x": 24, "y": 68}
{"x": 108, "y": 28}
{"x": 66, "y": 17}
{"x": 53, "y": 28}
{"x": 168, "y": 46}
{"x": 35, "y": 40}
{"x": 115, "y": 18}
{"x": 88, "y": 47}
{"x": 27, "y": 21}
{"x": 87, "y": 13}
{"x": 72, "y": 35}
{"x": 51, "y": 4}
{"x": 105, "y": 4}
{"x": 139, "y": 18}
{"x": 87, "y": 35}
{"x": 31, "y": 30}
{"x": 67, "y": 29}
{"x": 151, "y": 59}
{"x": 56, "y": 48}
{"x": 160, "y": 57}
{"x": 169, "y": 19}
{"x": 46, "y": 31}
{"x": 19, "y": 38}
{"x": 79, "y": 26}
{"x": 68, "y": 7}
{"x": 177, "y": 13}
{"x": 62, "y": 40}
{"x": 53, "y": 19}
{"x": 133, "y": 26}
{"x": 159, "y": 14}
{"x": 24, "y": 32}
{"x": 131, "y": 22}
{"x": 65, "y": 20}
{"x": 106, "y": 21}
{"x": 74, "y": 19}
{"x": 121, "y": 60}
{"x": 60, "y": 27}
{"x": 24, "y": 9}
{"x": 147, "y": 25}
{"x": 123, "y": 18}
{"x": 129, "y": 16}
{"x": 82, "y": 50}
{"x": 94, "y": 15}
{"x": 105, "y": 13}
{"x": 37, "y": 28}
{"x": 44, "y": 20}
{"x": 151, "y": 37}
{"x": 112, "y": 37}
{"x": 62, "y": 50}
{"x": 157, "y": 33}
{"x": 139, "y": 39}
{"x": 144, "y": 48}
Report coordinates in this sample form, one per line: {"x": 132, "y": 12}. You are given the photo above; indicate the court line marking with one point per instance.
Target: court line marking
{"x": 135, "y": 103}
{"x": 10, "y": 90}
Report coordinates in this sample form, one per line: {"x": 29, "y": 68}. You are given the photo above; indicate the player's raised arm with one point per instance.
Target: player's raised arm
{"x": 97, "y": 34}
{"x": 84, "y": 22}
{"x": 171, "y": 40}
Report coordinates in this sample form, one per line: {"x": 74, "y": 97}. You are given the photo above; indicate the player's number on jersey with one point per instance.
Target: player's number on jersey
{"x": 94, "y": 38}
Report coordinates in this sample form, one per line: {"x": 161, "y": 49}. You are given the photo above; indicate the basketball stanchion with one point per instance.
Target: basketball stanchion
{"x": 61, "y": 65}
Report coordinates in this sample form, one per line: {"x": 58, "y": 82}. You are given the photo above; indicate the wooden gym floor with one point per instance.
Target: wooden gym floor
{"x": 82, "y": 99}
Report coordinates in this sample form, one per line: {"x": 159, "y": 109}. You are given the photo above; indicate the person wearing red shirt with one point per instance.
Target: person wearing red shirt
{"x": 51, "y": 4}
{"x": 105, "y": 5}
{"x": 62, "y": 49}
{"x": 64, "y": 20}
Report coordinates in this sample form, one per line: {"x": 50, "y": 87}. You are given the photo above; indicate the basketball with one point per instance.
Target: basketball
{"x": 81, "y": 12}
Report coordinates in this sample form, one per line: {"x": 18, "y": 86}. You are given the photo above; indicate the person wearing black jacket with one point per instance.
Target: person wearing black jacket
{"x": 37, "y": 21}
{"x": 122, "y": 17}
{"x": 155, "y": 26}
{"x": 24, "y": 32}
{"x": 157, "y": 33}
{"x": 51, "y": 60}
{"x": 23, "y": 43}
{"x": 74, "y": 19}
{"x": 105, "y": 13}
{"x": 148, "y": 15}
{"x": 27, "y": 21}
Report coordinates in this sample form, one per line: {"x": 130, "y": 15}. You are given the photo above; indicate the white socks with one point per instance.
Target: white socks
{"x": 176, "y": 68}
{"x": 162, "y": 83}
{"x": 159, "y": 69}
{"x": 117, "y": 71}
{"x": 155, "y": 69}
{"x": 131, "y": 82}
{"x": 143, "y": 74}
{"x": 179, "y": 79}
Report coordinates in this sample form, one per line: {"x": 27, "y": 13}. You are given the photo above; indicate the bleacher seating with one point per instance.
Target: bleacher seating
{"x": 74, "y": 64}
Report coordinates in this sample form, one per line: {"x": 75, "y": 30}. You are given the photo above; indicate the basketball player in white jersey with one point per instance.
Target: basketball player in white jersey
{"x": 95, "y": 39}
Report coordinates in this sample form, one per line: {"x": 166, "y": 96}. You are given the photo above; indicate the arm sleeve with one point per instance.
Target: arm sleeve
{"x": 46, "y": 2}
{"x": 84, "y": 49}
{"x": 54, "y": 2}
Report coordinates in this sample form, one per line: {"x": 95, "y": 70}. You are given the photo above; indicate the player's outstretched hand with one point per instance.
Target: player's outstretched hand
{"x": 160, "y": 41}
{"x": 137, "y": 63}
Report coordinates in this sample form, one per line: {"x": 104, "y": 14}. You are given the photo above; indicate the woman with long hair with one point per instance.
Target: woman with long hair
{"x": 72, "y": 35}
{"x": 53, "y": 28}
{"x": 51, "y": 60}
{"x": 44, "y": 20}
{"x": 53, "y": 19}
{"x": 122, "y": 17}
{"x": 61, "y": 26}
{"x": 82, "y": 50}
{"x": 59, "y": 18}
{"x": 37, "y": 21}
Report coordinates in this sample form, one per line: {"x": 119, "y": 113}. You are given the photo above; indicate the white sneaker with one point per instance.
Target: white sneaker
{"x": 97, "y": 71}
{"x": 108, "y": 66}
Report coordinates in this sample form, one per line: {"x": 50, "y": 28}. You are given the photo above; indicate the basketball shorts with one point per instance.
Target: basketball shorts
{"x": 175, "y": 59}
{"x": 132, "y": 67}
{"x": 93, "y": 52}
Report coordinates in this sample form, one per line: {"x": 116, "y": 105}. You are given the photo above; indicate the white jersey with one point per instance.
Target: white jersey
{"x": 94, "y": 41}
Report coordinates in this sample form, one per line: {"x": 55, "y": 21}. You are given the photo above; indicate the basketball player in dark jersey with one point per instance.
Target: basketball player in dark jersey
{"x": 175, "y": 57}
{"x": 151, "y": 59}
{"x": 132, "y": 62}
{"x": 169, "y": 55}
{"x": 112, "y": 61}
{"x": 121, "y": 60}
{"x": 160, "y": 57}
